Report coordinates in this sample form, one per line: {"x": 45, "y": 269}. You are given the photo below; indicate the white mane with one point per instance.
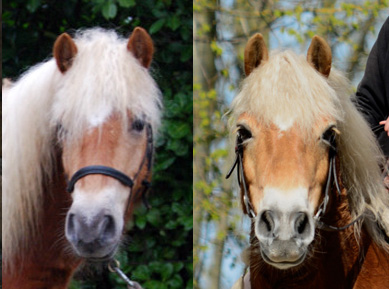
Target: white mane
{"x": 287, "y": 88}
{"x": 104, "y": 77}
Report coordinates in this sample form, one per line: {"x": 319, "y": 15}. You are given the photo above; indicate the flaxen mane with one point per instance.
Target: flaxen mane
{"x": 303, "y": 98}
{"x": 45, "y": 105}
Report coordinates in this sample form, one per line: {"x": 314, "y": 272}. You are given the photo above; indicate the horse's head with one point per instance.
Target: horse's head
{"x": 113, "y": 172}
{"x": 108, "y": 161}
{"x": 285, "y": 159}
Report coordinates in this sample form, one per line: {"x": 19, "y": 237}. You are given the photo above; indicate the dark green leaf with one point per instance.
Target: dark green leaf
{"x": 175, "y": 282}
{"x": 179, "y": 130}
{"x": 33, "y": 5}
{"x": 109, "y": 10}
{"x": 153, "y": 217}
{"x": 126, "y": 3}
{"x": 140, "y": 221}
{"x": 157, "y": 26}
{"x": 142, "y": 272}
{"x": 166, "y": 271}
{"x": 174, "y": 22}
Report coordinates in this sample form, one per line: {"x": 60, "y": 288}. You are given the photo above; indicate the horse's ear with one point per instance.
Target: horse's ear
{"x": 319, "y": 55}
{"x": 141, "y": 45}
{"x": 64, "y": 51}
{"x": 254, "y": 53}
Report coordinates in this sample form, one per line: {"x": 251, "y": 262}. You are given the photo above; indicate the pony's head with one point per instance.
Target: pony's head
{"x": 288, "y": 117}
{"x": 105, "y": 109}
{"x": 87, "y": 116}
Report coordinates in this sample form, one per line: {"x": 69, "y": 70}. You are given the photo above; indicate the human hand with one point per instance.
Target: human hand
{"x": 386, "y": 123}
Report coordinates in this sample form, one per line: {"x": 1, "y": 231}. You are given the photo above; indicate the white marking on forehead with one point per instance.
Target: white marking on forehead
{"x": 99, "y": 116}
{"x": 283, "y": 123}
{"x": 285, "y": 200}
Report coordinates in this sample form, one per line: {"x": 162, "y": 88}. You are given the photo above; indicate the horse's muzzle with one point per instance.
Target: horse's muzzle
{"x": 93, "y": 238}
{"x": 284, "y": 237}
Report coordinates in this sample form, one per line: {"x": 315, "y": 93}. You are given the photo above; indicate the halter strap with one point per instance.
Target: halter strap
{"x": 99, "y": 170}
{"x": 331, "y": 178}
{"x": 238, "y": 163}
{"x": 323, "y": 206}
{"x": 146, "y": 184}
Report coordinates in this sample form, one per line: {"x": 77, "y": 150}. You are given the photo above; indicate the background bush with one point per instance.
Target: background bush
{"x": 158, "y": 253}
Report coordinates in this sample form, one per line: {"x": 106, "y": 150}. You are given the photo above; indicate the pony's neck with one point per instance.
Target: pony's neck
{"x": 334, "y": 258}
{"x": 48, "y": 262}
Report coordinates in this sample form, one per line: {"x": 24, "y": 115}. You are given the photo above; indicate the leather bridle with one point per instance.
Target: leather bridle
{"x": 328, "y": 137}
{"x": 118, "y": 175}
{"x": 239, "y": 148}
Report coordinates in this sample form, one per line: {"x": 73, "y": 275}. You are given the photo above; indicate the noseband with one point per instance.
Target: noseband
{"x": 99, "y": 170}
{"x": 330, "y": 138}
{"x": 118, "y": 175}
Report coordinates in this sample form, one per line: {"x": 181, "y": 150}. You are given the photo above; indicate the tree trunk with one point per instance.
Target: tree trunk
{"x": 203, "y": 74}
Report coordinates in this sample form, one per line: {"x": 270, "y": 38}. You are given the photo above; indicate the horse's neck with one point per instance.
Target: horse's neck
{"x": 48, "y": 262}
{"x": 335, "y": 259}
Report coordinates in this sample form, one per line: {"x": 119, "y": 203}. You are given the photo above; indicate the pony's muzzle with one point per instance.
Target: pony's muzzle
{"x": 284, "y": 237}
{"x": 94, "y": 237}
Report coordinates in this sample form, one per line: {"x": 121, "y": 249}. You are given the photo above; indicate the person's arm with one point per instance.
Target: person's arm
{"x": 373, "y": 92}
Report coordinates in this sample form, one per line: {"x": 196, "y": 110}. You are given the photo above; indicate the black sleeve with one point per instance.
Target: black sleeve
{"x": 373, "y": 92}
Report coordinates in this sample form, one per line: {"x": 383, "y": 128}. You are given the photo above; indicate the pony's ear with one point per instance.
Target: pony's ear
{"x": 141, "y": 45}
{"x": 64, "y": 51}
{"x": 319, "y": 55}
{"x": 254, "y": 53}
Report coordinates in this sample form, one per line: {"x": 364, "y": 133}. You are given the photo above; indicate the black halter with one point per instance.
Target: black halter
{"x": 99, "y": 170}
{"x": 240, "y": 175}
{"x": 330, "y": 138}
{"x": 118, "y": 175}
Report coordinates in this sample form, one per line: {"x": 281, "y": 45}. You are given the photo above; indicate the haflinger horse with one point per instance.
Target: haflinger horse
{"x": 309, "y": 175}
{"x": 77, "y": 154}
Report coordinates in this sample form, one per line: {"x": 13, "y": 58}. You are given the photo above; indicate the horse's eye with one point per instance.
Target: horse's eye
{"x": 138, "y": 125}
{"x": 329, "y": 135}
{"x": 243, "y": 133}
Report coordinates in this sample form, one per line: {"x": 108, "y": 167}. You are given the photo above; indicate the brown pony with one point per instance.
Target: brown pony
{"x": 77, "y": 152}
{"x": 309, "y": 173}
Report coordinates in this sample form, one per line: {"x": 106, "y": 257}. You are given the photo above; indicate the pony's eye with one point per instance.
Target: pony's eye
{"x": 243, "y": 133}
{"x": 329, "y": 135}
{"x": 138, "y": 125}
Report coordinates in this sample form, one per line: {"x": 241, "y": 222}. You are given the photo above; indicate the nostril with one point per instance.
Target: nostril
{"x": 267, "y": 221}
{"x": 108, "y": 227}
{"x": 301, "y": 223}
